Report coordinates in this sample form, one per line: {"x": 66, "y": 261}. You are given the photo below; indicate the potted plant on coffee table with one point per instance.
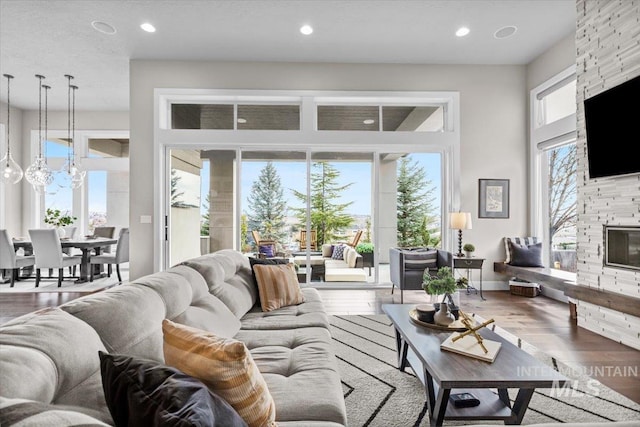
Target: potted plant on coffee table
{"x": 441, "y": 283}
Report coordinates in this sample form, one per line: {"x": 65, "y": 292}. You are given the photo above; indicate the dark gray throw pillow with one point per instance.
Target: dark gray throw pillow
{"x": 526, "y": 255}
{"x": 265, "y": 261}
{"x": 142, "y": 392}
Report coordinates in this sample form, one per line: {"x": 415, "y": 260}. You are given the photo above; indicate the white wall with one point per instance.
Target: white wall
{"x": 493, "y": 117}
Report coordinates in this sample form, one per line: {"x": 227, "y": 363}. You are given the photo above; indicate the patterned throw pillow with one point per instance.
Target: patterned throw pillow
{"x": 518, "y": 240}
{"x": 338, "y": 252}
{"x": 144, "y": 392}
{"x": 225, "y": 365}
{"x": 278, "y": 286}
{"x": 526, "y": 255}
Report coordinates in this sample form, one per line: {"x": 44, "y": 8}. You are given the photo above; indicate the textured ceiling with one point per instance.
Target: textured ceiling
{"x": 54, "y": 38}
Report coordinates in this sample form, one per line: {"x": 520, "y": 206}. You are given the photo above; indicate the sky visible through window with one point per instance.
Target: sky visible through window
{"x": 293, "y": 176}
{"x": 63, "y": 197}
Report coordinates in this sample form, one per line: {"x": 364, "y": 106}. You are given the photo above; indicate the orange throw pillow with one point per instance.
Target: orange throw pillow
{"x": 225, "y": 365}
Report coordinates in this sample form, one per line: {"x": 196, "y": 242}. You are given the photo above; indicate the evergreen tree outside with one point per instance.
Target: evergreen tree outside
{"x": 204, "y": 222}
{"x": 267, "y": 206}
{"x": 327, "y": 215}
{"x": 415, "y": 206}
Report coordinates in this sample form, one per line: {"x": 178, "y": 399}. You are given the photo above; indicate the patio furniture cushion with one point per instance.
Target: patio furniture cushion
{"x": 345, "y": 275}
{"x": 141, "y": 391}
{"x": 219, "y": 362}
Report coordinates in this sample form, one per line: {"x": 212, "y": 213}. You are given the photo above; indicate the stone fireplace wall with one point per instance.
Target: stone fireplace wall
{"x": 608, "y": 53}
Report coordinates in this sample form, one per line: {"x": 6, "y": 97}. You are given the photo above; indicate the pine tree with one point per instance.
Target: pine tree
{"x": 415, "y": 210}
{"x": 267, "y": 206}
{"x": 327, "y": 216}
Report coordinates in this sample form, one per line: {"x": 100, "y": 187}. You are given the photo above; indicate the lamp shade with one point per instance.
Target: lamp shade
{"x": 460, "y": 220}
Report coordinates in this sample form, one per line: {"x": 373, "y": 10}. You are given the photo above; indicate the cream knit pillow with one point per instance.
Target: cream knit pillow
{"x": 225, "y": 365}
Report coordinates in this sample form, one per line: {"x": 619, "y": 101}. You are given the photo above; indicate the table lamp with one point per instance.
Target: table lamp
{"x": 460, "y": 221}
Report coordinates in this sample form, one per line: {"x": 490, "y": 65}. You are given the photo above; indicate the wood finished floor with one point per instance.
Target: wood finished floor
{"x": 543, "y": 322}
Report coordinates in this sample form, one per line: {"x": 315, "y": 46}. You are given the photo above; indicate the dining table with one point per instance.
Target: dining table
{"x": 86, "y": 246}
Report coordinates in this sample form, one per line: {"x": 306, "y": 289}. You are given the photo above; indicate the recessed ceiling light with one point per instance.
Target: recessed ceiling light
{"x": 462, "y": 31}
{"x": 103, "y": 27}
{"x": 241, "y": 120}
{"x": 368, "y": 121}
{"x": 148, "y": 27}
{"x": 505, "y": 32}
{"x": 306, "y": 30}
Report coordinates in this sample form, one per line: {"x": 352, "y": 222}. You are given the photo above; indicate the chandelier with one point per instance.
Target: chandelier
{"x": 76, "y": 174}
{"x": 11, "y": 171}
{"x": 38, "y": 173}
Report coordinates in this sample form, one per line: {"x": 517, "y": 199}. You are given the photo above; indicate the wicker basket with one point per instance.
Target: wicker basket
{"x": 524, "y": 289}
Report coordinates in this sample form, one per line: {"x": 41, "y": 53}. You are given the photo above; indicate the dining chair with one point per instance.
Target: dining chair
{"x": 9, "y": 261}
{"x": 105, "y": 231}
{"x": 121, "y": 256}
{"x": 69, "y": 233}
{"x": 48, "y": 253}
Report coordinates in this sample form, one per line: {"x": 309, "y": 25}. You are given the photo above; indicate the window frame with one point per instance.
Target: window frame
{"x": 543, "y": 138}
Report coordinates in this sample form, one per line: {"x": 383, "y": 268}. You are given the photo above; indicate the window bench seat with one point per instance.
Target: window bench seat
{"x": 556, "y": 279}
{"x": 566, "y": 282}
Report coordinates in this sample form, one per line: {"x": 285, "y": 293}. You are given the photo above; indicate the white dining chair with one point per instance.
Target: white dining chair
{"x": 105, "y": 231}
{"x": 48, "y": 253}
{"x": 9, "y": 260}
{"x": 121, "y": 255}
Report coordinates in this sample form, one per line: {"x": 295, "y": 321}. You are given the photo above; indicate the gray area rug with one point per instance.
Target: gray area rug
{"x": 378, "y": 394}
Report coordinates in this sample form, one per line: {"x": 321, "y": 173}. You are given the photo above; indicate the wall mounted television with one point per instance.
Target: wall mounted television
{"x": 612, "y": 120}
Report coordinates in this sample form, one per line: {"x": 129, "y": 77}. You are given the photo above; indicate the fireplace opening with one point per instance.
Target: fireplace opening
{"x": 622, "y": 247}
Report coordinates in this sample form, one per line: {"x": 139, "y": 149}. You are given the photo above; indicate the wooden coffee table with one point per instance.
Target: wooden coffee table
{"x": 443, "y": 372}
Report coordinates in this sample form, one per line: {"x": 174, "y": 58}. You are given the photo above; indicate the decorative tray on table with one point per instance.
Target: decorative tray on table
{"x": 456, "y": 326}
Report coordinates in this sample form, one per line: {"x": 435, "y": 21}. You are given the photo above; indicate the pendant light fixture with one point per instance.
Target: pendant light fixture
{"x": 38, "y": 173}
{"x": 73, "y": 169}
{"x": 11, "y": 171}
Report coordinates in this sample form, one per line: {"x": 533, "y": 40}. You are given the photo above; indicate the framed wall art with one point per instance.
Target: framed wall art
{"x": 494, "y": 198}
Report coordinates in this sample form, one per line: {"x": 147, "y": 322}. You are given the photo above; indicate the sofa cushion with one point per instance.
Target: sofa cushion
{"x": 51, "y": 356}
{"x": 229, "y": 278}
{"x": 421, "y": 260}
{"x": 293, "y": 360}
{"x": 526, "y": 255}
{"x": 225, "y": 366}
{"x": 278, "y": 286}
{"x": 187, "y": 301}
{"x": 145, "y": 392}
{"x": 25, "y": 413}
{"x": 128, "y": 319}
{"x": 310, "y": 313}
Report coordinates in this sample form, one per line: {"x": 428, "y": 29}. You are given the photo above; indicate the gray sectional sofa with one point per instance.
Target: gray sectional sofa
{"x": 51, "y": 356}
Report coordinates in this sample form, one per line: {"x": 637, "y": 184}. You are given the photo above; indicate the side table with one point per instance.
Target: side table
{"x": 461, "y": 263}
